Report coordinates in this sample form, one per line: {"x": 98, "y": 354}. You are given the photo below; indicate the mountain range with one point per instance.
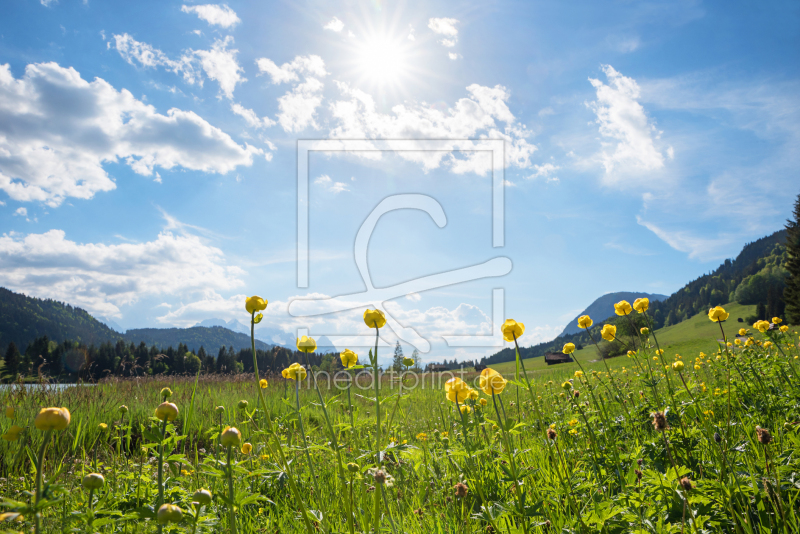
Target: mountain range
{"x": 599, "y": 308}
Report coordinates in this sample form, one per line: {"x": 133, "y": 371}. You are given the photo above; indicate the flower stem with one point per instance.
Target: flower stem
{"x": 39, "y": 473}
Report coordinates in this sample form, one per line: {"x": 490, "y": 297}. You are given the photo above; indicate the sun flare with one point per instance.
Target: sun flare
{"x": 382, "y": 60}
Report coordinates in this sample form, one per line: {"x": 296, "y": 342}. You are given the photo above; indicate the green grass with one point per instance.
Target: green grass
{"x": 607, "y": 470}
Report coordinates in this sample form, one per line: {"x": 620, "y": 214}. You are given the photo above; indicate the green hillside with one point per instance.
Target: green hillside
{"x": 688, "y": 338}
{"x": 210, "y": 337}
{"x": 23, "y": 319}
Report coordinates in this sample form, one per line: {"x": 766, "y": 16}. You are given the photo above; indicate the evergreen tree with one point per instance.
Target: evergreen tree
{"x": 397, "y": 359}
{"x": 791, "y": 293}
{"x": 12, "y": 360}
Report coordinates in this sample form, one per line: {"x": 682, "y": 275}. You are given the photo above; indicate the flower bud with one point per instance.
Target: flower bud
{"x": 52, "y": 419}
{"x": 123, "y": 409}
{"x": 166, "y": 393}
{"x": 202, "y": 497}
{"x": 353, "y": 467}
{"x": 169, "y": 513}
{"x": 230, "y": 437}
{"x": 242, "y": 405}
{"x": 167, "y": 411}
{"x": 93, "y": 481}
{"x": 219, "y": 410}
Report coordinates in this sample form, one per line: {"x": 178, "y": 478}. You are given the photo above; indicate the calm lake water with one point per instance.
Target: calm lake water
{"x": 44, "y": 386}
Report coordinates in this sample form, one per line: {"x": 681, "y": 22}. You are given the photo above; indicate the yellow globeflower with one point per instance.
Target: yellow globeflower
{"x": 473, "y": 395}
{"x": 742, "y": 331}
{"x": 374, "y": 318}
{"x": 641, "y": 305}
{"x": 644, "y": 330}
{"x": 767, "y": 344}
{"x": 622, "y": 308}
{"x": 167, "y": 411}
{"x": 718, "y": 314}
{"x": 102, "y": 427}
{"x": 202, "y": 496}
{"x": 12, "y": 434}
{"x": 567, "y": 385}
{"x": 408, "y": 362}
{"x": 52, "y": 419}
{"x": 484, "y": 402}
{"x": 492, "y": 382}
{"x": 784, "y": 329}
{"x": 349, "y": 358}
{"x": 247, "y": 448}
{"x": 609, "y": 332}
{"x": 777, "y": 320}
{"x": 761, "y": 326}
{"x": 456, "y": 390}
{"x": 294, "y": 372}
{"x": 511, "y": 330}
{"x": 230, "y": 437}
{"x": 306, "y": 344}
{"x": 584, "y": 321}
{"x": 569, "y": 348}
{"x": 465, "y": 410}
{"x": 263, "y": 384}
{"x": 677, "y": 366}
{"x": 254, "y": 304}
{"x": 93, "y": 481}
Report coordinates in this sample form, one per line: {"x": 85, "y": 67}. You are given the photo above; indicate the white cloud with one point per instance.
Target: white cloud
{"x": 355, "y": 116}
{"x": 447, "y": 29}
{"x": 214, "y": 14}
{"x": 545, "y": 171}
{"x": 102, "y": 278}
{"x": 57, "y": 130}
{"x": 701, "y": 247}
{"x": 21, "y": 212}
{"x": 328, "y": 184}
{"x": 48, "y": 3}
{"x": 298, "y": 106}
{"x": 289, "y": 72}
{"x": 411, "y": 33}
{"x": 334, "y": 25}
{"x": 452, "y": 55}
{"x": 629, "y": 136}
{"x": 250, "y": 117}
{"x": 218, "y": 64}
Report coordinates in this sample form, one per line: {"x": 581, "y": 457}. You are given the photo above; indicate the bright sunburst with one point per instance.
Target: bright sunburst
{"x": 382, "y": 60}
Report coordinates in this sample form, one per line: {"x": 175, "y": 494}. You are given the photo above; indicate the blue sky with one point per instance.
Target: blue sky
{"x": 148, "y": 154}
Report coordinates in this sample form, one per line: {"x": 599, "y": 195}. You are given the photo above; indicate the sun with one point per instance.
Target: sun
{"x": 382, "y": 60}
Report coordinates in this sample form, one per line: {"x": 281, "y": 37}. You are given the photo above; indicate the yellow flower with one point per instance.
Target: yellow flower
{"x": 511, "y": 330}
{"x": 631, "y": 353}
{"x": 349, "y": 358}
{"x": 247, "y": 448}
{"x": 573, "y": 422}
{"x": 578, "y": 374}
{"x": 644, "y": 330}
{"x": 761, "y": 326}
{"x": 12, "y": 434}
{"x": 777, "y": 320}
{"x": 742, "y": 331}
{"x": 52, "y": 419}
{"x": 456, "y": 390}
{"x": 696, "y": 367}
{"x": 737, "y": 341}
{"x": 567, "y": 385}
{"x": 169, "y": 513}
{"x": 677, "y": 366}
{"x": 408, "y": 362}
{"x": 374, "y": 318}
{"x": 466, "y": 409}
{"x": 609, "y": 332}
{"x": 569, "y": 348}
{"x": 660, "y": 352}
{"x": 641, "y": 305}
{"x": 306, "y": 344}
{"x": 484, "y": 402}
{"x": 473, "y": 395}
{"x": 784, "y": 329}
{"x": 622, "y": 308}
{"x": 294, "y": 372}
{"x": 230, "y": 437}
{"x": 492, "y": 382}
{"x": 718, "y": 314}
{"x": 767, "y": 344}
{"x": 254, "y": 304}
{"x": 167, "y": 411}
{"x": 584, "y": 321}
{"x": 166, "y": 393}
{"x": 102, "y": 426}
{"x": 10, "y": 412}
{"x": 263, "y": 383}
{"x": 422, "y": 436}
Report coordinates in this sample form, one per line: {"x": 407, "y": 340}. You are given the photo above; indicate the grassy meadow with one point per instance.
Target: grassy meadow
{"x": 652, "y": 442}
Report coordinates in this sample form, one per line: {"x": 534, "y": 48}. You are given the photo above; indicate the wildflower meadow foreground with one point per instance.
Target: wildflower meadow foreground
{"x": 651, "y": 442}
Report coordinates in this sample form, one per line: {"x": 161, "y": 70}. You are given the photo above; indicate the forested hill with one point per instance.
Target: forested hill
{"x": 756, "y": 276}
{"x": 195, "y": 337}
{"x": 23, "y": 319}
